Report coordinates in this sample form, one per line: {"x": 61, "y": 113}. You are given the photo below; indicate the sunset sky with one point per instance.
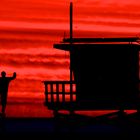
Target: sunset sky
{"x": 29, "y": 28}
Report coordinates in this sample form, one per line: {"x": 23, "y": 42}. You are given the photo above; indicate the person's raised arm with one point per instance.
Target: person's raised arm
{"x": 14, "y": 75}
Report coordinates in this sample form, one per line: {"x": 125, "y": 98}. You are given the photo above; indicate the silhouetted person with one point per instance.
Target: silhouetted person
{"x": 4, "y": 84}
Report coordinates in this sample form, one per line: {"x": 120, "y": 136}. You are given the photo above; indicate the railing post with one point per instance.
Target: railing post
{"x": 71, "y": 92}
{"x": 46, "y": 92}
{"x": 51, "y": 92}
{"x": 57, "y": 92}
{"x": 63, "y": 92}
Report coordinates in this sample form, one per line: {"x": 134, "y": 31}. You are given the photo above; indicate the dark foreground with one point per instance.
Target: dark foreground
{"x": 107, "y": 125}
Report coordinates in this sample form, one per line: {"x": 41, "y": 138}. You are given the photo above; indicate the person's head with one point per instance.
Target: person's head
{"x": 3, "y": 73}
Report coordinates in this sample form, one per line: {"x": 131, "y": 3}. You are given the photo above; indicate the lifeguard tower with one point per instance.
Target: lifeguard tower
{"x": 106, "y": 74}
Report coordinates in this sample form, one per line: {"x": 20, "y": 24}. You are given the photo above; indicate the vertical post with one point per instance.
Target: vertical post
{"x": 63, "y": 92}
{"x": 52, "y": 93}
{"x": 57, "y": 92}
{"x": 71, "y": 21}
{"x": 46, "y": 92}
{"x": 71, "y": 37}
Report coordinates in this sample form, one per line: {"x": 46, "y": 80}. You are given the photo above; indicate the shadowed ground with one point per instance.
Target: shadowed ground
{"x": 76, "y": 124}
{"x": 35, "y": 119}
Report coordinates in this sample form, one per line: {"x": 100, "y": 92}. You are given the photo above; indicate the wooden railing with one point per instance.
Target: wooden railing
{"x": 60, "y": 91}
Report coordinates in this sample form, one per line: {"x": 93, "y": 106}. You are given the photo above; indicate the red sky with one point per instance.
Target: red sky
{"x": 29, "y": 28}
{"x": 97, "y": 15}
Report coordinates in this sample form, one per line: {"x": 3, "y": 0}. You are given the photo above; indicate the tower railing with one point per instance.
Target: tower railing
{"x": 59, "y": 91}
